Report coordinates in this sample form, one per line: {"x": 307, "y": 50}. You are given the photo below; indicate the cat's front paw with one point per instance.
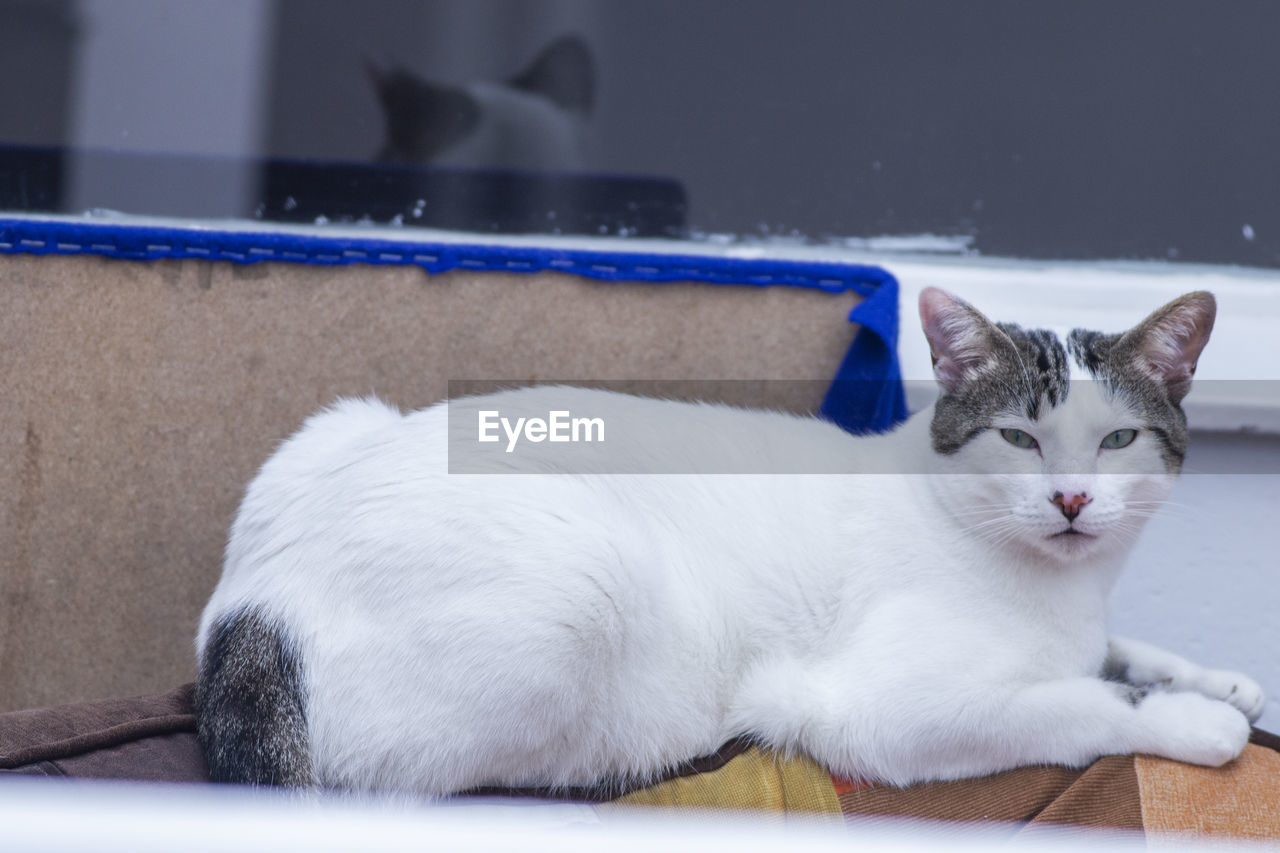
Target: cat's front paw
{"x": 1192, "y": 728}
{"x": 1235, "y": 688}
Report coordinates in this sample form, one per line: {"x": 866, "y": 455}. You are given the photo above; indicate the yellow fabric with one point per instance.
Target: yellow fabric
{"x": 756, "y": 780}
{"x": 1241, "y": 799}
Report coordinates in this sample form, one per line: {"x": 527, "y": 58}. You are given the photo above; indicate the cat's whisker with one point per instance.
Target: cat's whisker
{"x": 1128, "y": 533}
{"x": 991, "y": 522}
{"x": 994, "y": 511}
{"x": 1166, "y": 505}
{"x": 1000, "y": 535}
{"x": 1154, "y": 512}
{"x": 1178, "y": 504}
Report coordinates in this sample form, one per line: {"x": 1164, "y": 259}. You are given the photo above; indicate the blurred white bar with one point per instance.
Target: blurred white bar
{"x": 71, "y": 816}
{"x": 151, "y": 78}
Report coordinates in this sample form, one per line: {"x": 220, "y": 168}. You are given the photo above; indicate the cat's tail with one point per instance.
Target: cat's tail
{"x": 250, "y": 703}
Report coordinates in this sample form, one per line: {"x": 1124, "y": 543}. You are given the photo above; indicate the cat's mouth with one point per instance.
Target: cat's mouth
{"x": 1070, "y": 531}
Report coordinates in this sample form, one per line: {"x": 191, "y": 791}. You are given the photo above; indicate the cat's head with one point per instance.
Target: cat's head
{"x": 1069, "y": 445}
{"x": 431, "y": 121}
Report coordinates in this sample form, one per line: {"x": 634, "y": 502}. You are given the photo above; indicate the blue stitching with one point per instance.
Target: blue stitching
{"x": 142, "y": 243}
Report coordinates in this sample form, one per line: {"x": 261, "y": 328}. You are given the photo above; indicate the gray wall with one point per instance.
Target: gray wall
{"x": 1142, "y": 129}
{"x": 1095, "y": 129}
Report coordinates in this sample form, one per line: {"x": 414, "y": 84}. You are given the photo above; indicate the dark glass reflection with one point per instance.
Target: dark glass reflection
{"x": 1143, "y": 129}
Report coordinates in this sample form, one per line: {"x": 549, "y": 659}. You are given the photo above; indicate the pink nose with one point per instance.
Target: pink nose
{"x": 1070, "y": 504}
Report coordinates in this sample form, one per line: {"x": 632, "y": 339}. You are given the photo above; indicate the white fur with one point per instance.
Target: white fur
{"x": 541, "y": 628}
{"x": 518, "y": 130}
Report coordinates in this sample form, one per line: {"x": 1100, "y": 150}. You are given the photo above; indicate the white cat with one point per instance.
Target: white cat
{"x": 935, "y": 609}
{"x": 537, "y": 120}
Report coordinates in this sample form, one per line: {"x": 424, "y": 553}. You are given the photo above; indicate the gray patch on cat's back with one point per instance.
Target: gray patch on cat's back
{"x": 250, "y": 704}
{"x": 1028, "y": 368}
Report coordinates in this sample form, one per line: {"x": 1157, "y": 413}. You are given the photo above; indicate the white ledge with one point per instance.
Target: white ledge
{"x": 1237, "y": 383}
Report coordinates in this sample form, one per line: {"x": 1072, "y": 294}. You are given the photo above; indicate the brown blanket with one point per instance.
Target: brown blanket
{"x": 153, "y": 738}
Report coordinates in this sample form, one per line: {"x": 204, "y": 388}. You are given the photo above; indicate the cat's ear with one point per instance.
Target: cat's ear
{"x": 563, "y": 73}
{"x": 1167, "y": 345}
{"x": 961, "y": 340}
{"x": 377, "y": 70}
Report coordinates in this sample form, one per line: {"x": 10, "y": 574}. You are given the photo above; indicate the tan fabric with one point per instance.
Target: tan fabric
{"x": 1241, "y": 799}
{"x": 756, "y": 780}
{"x": 1103, "y": 795}
{"x": 139, "y": 398}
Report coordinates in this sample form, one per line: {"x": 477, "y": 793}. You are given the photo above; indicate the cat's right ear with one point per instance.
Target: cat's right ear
{"x": 378, "y": 72}
{"x": 961, "y": 339}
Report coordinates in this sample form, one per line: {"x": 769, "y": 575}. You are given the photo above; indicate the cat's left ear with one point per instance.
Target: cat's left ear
{"x": 1167, "y": 344}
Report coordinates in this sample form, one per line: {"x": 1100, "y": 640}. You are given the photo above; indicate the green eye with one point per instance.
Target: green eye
{"x": 1018, "y": 438}
{"x": 1120, "y": 438}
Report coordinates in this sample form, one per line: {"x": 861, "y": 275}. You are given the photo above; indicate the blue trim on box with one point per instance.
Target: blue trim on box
{"x": 149, "y": 243}
{"x": 866, "y": 395}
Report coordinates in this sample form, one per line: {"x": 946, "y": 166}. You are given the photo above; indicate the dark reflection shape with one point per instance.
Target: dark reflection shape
{"x": 32, "y": 180}
{"x": 534, "y": 120}
{"x": 489, "y": 200}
